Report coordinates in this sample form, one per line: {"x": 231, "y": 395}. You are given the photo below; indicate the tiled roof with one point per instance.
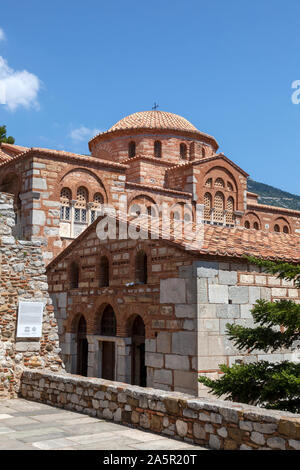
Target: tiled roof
{"x": 4, "y": 157}
{"x": 258, "y": 206}
{"x": 154, "y": 120}
{"x": 211, "y": 240}
{"x": 64, "y": 154}
{"x": 12, "y": 148}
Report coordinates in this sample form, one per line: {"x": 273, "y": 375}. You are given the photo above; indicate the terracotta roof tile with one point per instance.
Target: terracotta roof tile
{"x": 154, "y": 120}
{"x": 213, "y": 240}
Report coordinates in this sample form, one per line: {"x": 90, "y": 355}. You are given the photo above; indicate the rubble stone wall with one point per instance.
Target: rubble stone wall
{"x": 22, "y": 277}
{"x": 207, "y": 422}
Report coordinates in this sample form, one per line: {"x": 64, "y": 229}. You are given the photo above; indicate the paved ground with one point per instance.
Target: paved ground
{"x": 33, "y": 426}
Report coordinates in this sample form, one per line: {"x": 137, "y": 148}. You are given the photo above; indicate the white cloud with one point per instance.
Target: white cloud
{"x": 83, "y": 133}
{"x": 2, "y": 35}
{"x": 19, "y": 88}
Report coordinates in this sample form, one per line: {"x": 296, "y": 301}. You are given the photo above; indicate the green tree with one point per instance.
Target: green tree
{"x": 4, "y": 138}
{"x": 277, "y": 325}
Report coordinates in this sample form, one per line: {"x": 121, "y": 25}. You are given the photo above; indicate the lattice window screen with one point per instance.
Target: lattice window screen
{"x": 207, "y": 206}
{"x": 219, "y": 183}
{"x": 219, "y": 207}
{"x": 230, "y": 209}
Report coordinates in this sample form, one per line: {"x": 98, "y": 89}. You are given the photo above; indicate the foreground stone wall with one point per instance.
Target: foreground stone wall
{"x": 22, "y": 278}
{"x": 214, "y": 423}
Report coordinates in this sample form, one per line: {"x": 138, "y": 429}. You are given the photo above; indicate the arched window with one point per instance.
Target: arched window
{"x": 81, "y": 204}
{"x": 256, "y": 226}
{"x": 207, "y": 206}
{"x": 108, "y": 325}
{"x": 104, "y": 272}
{"x": 286, "y": 229}
{"x": 131, "y": 149}
{"x": 219, "y": 207}
{"x": 97, "y": 204}
{"x": 141, "y": 267}
{"x": 74, "y": 275}
{"x": 247, "y": 224}
{"x": 157, "y": 149}
{"x": 230, "y": 210}
{"x": 65, "y": 201}
{"x": 219, "y": 183}
{"x": 229, "y": 186}
{"x": 183, "y": 151}
{"x": 208, "y": 183}
{"x": 276, "y": 228}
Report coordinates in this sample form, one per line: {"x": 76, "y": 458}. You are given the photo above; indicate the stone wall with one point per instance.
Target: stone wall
{"x": 226, "y": 293}
{"x": 22, "y": 278}
{"x": 207, "y": 422}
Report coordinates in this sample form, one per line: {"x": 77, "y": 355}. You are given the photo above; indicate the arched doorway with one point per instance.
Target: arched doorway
{"x": 82, "y": 348}
{"x": 138, "y": 367}
{"x": 108, "y": 328}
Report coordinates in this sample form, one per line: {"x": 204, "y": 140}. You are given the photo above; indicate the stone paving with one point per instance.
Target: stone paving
{"x": 26, "y": 425}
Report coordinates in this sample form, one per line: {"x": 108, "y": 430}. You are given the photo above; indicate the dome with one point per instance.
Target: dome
{"x": 154, "y": 120}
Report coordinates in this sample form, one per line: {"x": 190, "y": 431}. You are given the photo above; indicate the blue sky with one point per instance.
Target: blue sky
{"x": 228, "y": 67}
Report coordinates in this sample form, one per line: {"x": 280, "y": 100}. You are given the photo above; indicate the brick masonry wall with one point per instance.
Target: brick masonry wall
{"x": 185, "y": 306}
{"x": 214, "y": 423}
{"x": 22, "y": 278}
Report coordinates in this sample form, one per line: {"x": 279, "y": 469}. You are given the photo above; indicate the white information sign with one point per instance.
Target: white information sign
{"x": 30, "y": 319}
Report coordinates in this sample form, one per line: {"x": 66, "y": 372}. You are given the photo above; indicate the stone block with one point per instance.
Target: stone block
{"x": 218, "y": 294}
{"x": 38, "y": 217}
{"x": 228, "y": 311}
{"x": 163, "y": 342}
{"x": 39, "y": 183}
{"x": 154, "y": 359}
{"x": 172, "y": 290}
{"x": 185, "y": 380}
{"x": 163, "y": 376}
{"x": 206, "y": 311}
{"x": 254, "y": 294}
{"x": 276, "y": 443}
{"x": 228, "y": 277}
{"x": 174, "y": 361}
{"x": 214, "y": 442}
{"x": 184, "y": 343}
{"x": 185, "y": 311}
{"x": 206, "y": 268}
{"x": 181, "y": 428}
{"x": 239, "y": 294}
{"x": 202, "y": 292}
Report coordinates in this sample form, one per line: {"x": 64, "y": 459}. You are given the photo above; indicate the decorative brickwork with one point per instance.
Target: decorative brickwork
{"x": 183, "y": 297}
{"x": 152, "y": 154}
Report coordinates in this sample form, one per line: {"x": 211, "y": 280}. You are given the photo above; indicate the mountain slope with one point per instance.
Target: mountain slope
{"x": 273, "y": 196}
